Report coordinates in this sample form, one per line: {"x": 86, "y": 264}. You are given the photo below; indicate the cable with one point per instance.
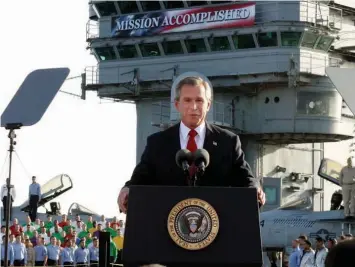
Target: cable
{"x": 23, "y": 166}
{"x": 3, "y": 166}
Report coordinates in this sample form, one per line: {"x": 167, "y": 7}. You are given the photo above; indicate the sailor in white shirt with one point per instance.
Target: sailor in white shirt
{"x": 4, "y": 198}
{"x": 102, "y": 222}
{"x": 321, "y": 253}
{"x": 307, "y": 257}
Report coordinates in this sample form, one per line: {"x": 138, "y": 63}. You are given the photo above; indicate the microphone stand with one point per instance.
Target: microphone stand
{"x": 12, "y": 137}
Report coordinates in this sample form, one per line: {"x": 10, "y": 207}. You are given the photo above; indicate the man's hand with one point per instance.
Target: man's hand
{"x": 123, "y": 199}
{"x": 261, "y": 196}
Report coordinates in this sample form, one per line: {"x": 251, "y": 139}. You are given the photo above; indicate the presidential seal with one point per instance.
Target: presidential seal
{"x": 193, "y": 224}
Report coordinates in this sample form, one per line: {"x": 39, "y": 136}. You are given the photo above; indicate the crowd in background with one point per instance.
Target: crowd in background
{"x": 66, "y": 242}
{"x": 306, "y": 253}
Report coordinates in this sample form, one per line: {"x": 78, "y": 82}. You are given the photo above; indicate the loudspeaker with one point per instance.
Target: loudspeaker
{"x": 104, "y": 249}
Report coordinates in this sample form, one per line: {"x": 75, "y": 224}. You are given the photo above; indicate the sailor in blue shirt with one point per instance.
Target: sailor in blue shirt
{"x": 34, "y": 198}
{"x": 81, "y": 255}
{"x": 295, "y": 257}
{"x": 10, "y": 253}
{"x": 41, "y": 255}
{"x": 67, "y": 255}
{"x": 20, "y": 252}
{"x": 53, "y": 252}
{"x": 94, "y": 253}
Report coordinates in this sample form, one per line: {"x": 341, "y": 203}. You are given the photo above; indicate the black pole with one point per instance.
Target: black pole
{"x": 12, "y": 136}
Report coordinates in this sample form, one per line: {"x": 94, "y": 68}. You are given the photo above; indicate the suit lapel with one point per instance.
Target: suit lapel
{"x": 209, "y": 139}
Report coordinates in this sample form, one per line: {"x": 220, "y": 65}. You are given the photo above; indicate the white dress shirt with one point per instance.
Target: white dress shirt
{"x": 199, "y": 138}
{"x": 4, "y": 192}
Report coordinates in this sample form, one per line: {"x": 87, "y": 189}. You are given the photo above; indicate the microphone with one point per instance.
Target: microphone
{"x": 202, "y": 159}
{"x": 183, "y": 159}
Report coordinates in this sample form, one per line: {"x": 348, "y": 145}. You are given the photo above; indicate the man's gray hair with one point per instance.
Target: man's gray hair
{"x": 193, "y": 81}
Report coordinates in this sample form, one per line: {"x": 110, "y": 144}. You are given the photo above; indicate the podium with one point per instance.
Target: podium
{"x": 192, "y": 226}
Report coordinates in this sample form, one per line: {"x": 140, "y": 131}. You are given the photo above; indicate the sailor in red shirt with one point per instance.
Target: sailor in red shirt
{"x": 64, "y": 221}
{"x": 13, "y": 226}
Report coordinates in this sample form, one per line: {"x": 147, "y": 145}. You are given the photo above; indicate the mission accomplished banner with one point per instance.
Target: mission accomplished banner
{"x": 154, "y": 23}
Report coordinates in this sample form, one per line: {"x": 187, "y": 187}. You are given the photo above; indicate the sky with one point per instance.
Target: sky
{"x": 92, "y": 141}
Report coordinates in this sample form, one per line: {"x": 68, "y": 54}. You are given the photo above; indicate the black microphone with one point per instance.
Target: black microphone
{"x": 202, "y": 159}
{"x": 183, "y": 159}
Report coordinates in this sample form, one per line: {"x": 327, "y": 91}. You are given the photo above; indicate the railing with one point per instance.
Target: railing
{"x": 305, "y": 62}
{"x": 92, "y": 30}
{"x": 92, "y": 75}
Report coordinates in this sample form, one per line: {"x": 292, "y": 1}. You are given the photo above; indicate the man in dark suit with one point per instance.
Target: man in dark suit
{"x": 227, "y": 167}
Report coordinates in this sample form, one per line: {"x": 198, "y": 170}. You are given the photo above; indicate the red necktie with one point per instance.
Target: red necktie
{"x": 192, "y": 146}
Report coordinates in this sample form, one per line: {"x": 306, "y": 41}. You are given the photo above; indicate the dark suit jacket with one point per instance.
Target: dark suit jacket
{"x": 227, "y": 164}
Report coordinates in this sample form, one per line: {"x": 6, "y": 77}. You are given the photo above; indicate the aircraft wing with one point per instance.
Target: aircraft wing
{"x": 330, "y": 170}
{"x": 52, "y": 189}
{"x": 78, "y": 209}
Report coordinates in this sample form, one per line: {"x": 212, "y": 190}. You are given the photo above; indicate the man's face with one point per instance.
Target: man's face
{"x": 33, "y": 179}
{"x": 319, "y": 244}
{"x": 302, "y": 244}
{"x": 294, "y": 244}
{"x": 193, "y": 105}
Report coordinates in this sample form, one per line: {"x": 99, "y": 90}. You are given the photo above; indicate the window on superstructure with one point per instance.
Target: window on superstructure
{"x": 243, "y": 41}
{"x": 196, "y": 3}
{"x": 150, "y": 5}
{"x": 290, "y": 38}
{"x": 319, "y": 103}
{"x": 127, "y": 51}
{"x": 128, "y": 7}
{"x": 309, "y": 39}
{"x": 172, "y": 47}
{"x": 173, "y": 4}
{"x": 105, "y": 53}
{"x": 150, "y": 50}
{"x": 271, "y": 194}
{"x": 106, "y": 8}
{"x": 267, "y": 39}
{"x": 324, "y": 43}
{"x": 219, "y": 43}
{"x": 195, "y": 45}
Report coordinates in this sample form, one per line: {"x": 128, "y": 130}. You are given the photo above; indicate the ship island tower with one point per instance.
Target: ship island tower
{"x": 266, "y": 62}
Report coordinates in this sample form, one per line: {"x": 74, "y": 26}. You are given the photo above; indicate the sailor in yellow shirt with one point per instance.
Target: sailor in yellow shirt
{"x": 118, "y": 240}
{"x": 94, "y": 228}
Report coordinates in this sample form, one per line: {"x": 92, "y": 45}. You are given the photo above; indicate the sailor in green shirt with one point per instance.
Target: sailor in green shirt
{"x": 66, "y": 228}
{"x": 84, "y": 232}
{"x": 88, "y": 239}
{"x": 48, "y": 224}
{"x": 112, "y": 231}
{"x": 28, "y": 231}
{"x": 113, "y": 252}
{"x": 58, "y": 236}
{"x": 89, "y": 223}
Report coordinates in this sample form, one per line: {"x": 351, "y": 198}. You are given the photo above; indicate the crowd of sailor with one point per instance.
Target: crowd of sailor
{"x": 67, "y": 242}
{"x": 306, "y": 253}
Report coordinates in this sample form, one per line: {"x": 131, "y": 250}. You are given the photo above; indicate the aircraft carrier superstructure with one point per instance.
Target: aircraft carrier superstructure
{"x": 266, "y": 62}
